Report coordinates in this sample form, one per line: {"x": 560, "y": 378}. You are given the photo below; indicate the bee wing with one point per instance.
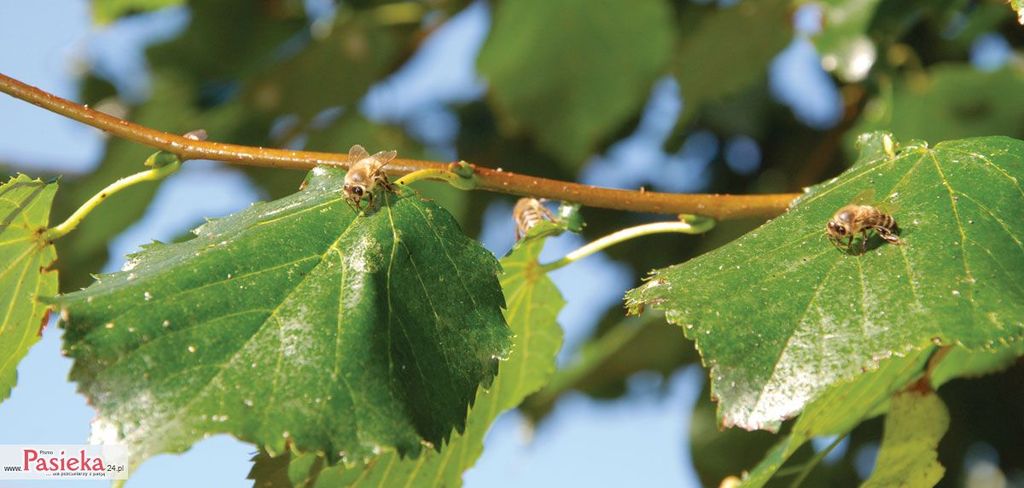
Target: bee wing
{"x": 865, "y": 197}
{"x": 888, "y": 204}
{"x": 385, "y": 157}
{"x": 357, "y": 153}
{"x": 869, "y": 197}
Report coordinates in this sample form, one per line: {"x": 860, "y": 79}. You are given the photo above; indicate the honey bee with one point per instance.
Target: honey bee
{"x": 527, "y": 213}
{"x": 858, "y": 217}
{"x": 365, "y": 174}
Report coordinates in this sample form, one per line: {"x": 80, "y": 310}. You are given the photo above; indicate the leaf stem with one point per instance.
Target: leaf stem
{"x": 811, "y": 463}
{"x": 690, "y": 224}
{"x": 720, "y": 207}
{"x": 424, "y": 174}
{"x": 76, "y": 218}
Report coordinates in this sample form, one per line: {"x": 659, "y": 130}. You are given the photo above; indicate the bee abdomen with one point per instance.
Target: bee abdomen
{"x": 887, "y": 221}
{"x": 527, "y": 213}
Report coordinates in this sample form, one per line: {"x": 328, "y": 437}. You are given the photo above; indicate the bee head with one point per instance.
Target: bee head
{"x": 836, "y": 228}
{"x": 355, "y": 192}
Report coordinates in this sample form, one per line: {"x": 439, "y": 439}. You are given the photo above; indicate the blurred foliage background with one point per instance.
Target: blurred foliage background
{"x": 673, "y": 95}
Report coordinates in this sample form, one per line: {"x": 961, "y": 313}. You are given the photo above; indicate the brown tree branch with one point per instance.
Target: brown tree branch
{"x": 720, "y": 207}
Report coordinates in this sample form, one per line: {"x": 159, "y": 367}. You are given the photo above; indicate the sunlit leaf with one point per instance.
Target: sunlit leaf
{"x": 908, "y": 455}
{"x": 845, "y": 405}
{"x": 533, "y": 305}
{"x": 570, "y": 72}
{"x": 296, "y": 322}
{"x": 839, "y": 409}
{"x": 25, "y": 275}
{"x": 810, "y": 315}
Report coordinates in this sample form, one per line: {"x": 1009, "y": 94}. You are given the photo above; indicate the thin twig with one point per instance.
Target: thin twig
{"x": 721, "y": 207}
{"x": 692, "y": 225}
{"x": 76, "y": 218}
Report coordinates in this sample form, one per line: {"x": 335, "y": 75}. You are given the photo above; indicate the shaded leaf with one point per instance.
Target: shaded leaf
{"x": 711, "y": 63}
{"x": 961, "y": 363}
{"x": 570, "y": 72}
{"x": 843, "y": 41}
{"x": 951, "y": 101}
{"x": 603, "y": 364}
{"x": 332, "y": 70}
{"x": 213, "y": 56}
{"x": 913, "y": 429}
{"x": 293, "y": 322}
{"x": 235, "y": 122}
{"x": 25, "y": 275}
{"x": 979, "y": 411}
{"x": 287, "y": 470}
{"x": 105, "y": 11}
{"x": 533, "y": 305}
{"x": 719, "y": 453}
{"x": 823, "y": 314}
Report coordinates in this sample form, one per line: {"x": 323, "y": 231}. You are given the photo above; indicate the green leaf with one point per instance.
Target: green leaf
{"x": 332, "y": 70}
{"x": 25, "y": 276}
{"x": 352, "y": 128}
{"x": 84, "y": 251}
{"x": 811, "y": 315}
{"x": 964, "y": 363}
{"x": 720, "y": 453}
{"x": 843, "y": 41}
{"x": 949, "y": 101}
{"x": 711, "y": 63}
{"x": 603, "y": 364}
{"x": 214, "y": 56}
{"x": 908, "y": 456}
{"x": 845, "y": 405}
{"x": 295, "y": 322}
{"x": 533, "y": 305}
{"x": 571, "y": 72}
{"x": 840, "y": 409}
{"x": 106, "y": 11}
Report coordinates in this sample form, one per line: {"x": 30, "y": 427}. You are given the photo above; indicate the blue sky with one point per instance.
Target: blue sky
{"x": 585, "y": 442}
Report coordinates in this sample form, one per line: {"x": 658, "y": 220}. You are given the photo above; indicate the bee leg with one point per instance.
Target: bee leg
{"x": 888, "y": 235}
{"x": 369, "y": 195}
{"x": 863, "y": 241}
{"x": 382, "y": 180}
{"x": 835, "y": 241}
